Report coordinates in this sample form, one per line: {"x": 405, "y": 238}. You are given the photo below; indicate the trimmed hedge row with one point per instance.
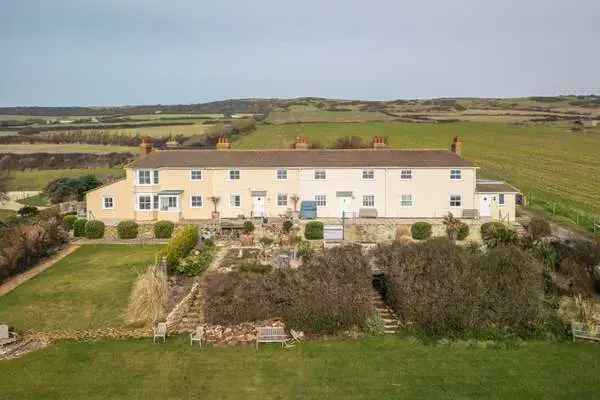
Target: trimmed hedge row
{"x": 94, "y": 229}
{"x": 79, "y": 227}
{"x": 163, "y": 229}
{"x": 127, "y": 229}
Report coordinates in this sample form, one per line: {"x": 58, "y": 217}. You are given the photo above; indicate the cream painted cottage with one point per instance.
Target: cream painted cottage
{"x": 182, "y": 184}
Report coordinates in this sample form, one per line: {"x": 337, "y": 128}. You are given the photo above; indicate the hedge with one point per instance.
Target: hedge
{"x": 420, "y": 230}
{"x": 94, "y": 229}
{"x": 68, "y": 221}
{"x": 79, "y": 227}
{"x": 163, "y": 229}
{"x": 181, "y": 244}
{"x": 127, "y": 230}
{"x": 313, "y": 230}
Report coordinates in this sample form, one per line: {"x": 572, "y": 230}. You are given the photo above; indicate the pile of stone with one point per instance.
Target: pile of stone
{"x": 241, "y": 334}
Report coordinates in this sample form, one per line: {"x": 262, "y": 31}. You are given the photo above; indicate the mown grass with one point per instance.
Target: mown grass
{"x": 6, "y": 214}
{"x": 544, "y": 159}
{"x": 39, "y": 200}
{"x": 373, "y": 368}
{"x": 85, "y": 290}
{"x": 37, "y": 179}
{"x": 64, "y": 148}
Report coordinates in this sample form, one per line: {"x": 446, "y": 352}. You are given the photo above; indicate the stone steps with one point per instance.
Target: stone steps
{"x": 390, "y": 321}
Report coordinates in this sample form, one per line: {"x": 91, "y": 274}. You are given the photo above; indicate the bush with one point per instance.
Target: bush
{"x": 256, "y": 268}
{"x": 127, "y": 230}
{"x": 445, "y": 290}
{"x": 79, "y": 227}
{"x": 488, "y": 229}
{"x": 421, "y": 230}
{"x": 287, "y": 226}
{"x": 149, "y": 299}
{"x": 539, "y": 228}
{"x": 94, "y": 229}
{"x": 304, "y": 251}
{"x": 68, "y": 221}
{"x": 462, "y": 232}
{"x": 248, "y": 227}
{"x": 313, "y": 230}
{"x": 496, "y": 234}
{"x": 28, "y": 211}
{"x": 163, "y": 229}
{"x": 196, "y": 262}
{"x": 181, "y": 244}
{"x": 65, "y": 189}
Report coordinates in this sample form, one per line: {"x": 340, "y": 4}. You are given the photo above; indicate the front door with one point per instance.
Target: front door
{"x": 485, "y": 205}
{"x": 259, "y": 206}
{"x": 345, "y": 206}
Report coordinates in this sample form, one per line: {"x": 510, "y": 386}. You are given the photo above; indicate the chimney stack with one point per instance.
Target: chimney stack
{"x": 379, "y": 142}
{"x": 145, "y": 147}
{"x": 301, "y": 143}
{"x": 223, "y": 143}
{"x": 456, "y": 146}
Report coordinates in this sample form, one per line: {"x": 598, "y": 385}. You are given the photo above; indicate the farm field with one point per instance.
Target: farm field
{"x": 372, "y": 368}
{"x": 293, "y": 116}
{"x": 64, "y": 148}
{"x": 85, "y": 290}
{"x": 38, "y": 179}
{"x": 163, "y": 131}
{"x": 546, "y": 160}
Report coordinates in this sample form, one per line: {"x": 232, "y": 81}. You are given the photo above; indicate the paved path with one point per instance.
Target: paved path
{"x": 38, "y": 269}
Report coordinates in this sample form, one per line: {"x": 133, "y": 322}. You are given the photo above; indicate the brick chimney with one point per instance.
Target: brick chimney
{"x": 379, "y": 142}
{"x": 223, "y": 143}
{"x": 145, "y": 147}
{"x": 456, "y": 146}
{"x": 301, "y": 143}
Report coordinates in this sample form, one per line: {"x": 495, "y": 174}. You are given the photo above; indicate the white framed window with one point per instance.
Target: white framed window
{"x": 196, "y": 175}
{"x": 234, "y": 174}
{"x": 321, "y": 200}
{"x": 144, "y": 177}
{"x": 501, "y": 199}
{"x": 368, "y": 174}
{"x": 282, "y": 200}
{"x": 144, "y": 202}
{"x": 369, "y": 200}
{"x": 155, "y": 201}
{"x": 320, "y": 174}
{"x": 406, "y": 200}
{"x": 169, "y": 203}
{"x": 196, "y": 201}
{"x": 455, "y": 174}
{"x": 235, "y": 200}
{"x": 455, "y": 200}
{"x": 406, "y": 174}
{"x": 108, "y": 203}
{"x": 155, "y": 176}
{"x": 282, "y": 174}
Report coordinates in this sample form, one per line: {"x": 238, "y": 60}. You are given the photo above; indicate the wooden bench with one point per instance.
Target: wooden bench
{"x": 6, "y": 337}
{"x": 581, "y": 331}
{"x": 470, "y": 213}
{"x": 271, "y": 334}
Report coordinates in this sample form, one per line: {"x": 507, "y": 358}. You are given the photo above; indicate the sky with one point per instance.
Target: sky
{"x": 119, "y": 52}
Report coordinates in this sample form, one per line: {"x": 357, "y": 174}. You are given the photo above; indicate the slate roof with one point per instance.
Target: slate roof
{"x": 494, "y": 187}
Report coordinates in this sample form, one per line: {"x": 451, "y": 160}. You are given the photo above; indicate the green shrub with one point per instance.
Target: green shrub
{"x": 248, "y": 227}
{"x": 68, "y": 221}
{"x": 314, "y": 230}
{"x": 304, "y": 251}
{"x": 489, "y": 228}
{"x": 127, "y": 229}
{"x": 94, "y": 229}
{"x": 163, "y": 229}
{"x": 420, "y": 230}
{"x": 79, "y": 227}
{"x": 28, "y": 211}
{"x": 539, "y": 228}
{"x": 495, "y": 234}
{"x": 181, "y": 244}
{"x": 256, "y": 268}
{"x": 196, "y": 262}
{"x": 462, "y": 232}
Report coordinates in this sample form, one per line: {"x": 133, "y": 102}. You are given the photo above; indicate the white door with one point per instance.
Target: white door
{"x": 345, "y": 206}
{"x": 259, "y": 206}
{"x": 485, "y": 205}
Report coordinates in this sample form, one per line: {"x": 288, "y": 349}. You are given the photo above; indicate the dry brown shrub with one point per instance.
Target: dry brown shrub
{"x": 149, "y": 298}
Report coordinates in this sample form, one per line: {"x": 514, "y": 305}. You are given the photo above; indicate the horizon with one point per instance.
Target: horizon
{"x": 119, "y": 53}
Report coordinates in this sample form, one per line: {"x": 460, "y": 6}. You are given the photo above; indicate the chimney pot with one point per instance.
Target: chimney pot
{"x": 379, "y": 142}
{"x": 223, "y": 143}
{"x": 456, "y": 146}
{"x": 145, "y": 147}
{"x": 301, "y": 143}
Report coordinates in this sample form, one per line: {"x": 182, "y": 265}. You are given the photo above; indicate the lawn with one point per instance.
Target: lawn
{"x": 85, "y": 290}
{"x": 374, "y": 368}
{"x": 5, "y": 214}
{"x": 546, "y": 160}
{"x": 65, "y": 148}
{"x": 38, "y": 179}
{"x": 39, "y": 200}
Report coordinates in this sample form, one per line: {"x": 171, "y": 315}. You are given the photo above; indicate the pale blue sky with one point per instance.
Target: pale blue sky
{"x": 111, "y": 52}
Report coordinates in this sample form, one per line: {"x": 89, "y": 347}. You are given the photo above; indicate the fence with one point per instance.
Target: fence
{"x": 587, "y": 221}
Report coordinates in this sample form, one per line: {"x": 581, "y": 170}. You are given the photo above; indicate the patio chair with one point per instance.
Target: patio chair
{"x": 160, "y": 332}
{"x": 197, "y": 336}
{"x": 296, "y": 337}
{"x": 6, "y": 336}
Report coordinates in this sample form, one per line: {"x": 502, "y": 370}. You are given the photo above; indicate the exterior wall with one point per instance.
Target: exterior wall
{"x": 506, "y": 212}
{"x": 430, "y": 187}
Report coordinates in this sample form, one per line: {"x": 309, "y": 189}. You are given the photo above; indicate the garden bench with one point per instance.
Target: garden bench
{"x": 6, "y": 337}
{"x": 197, "y": 336}
{"x": 160, "y": 332}
{"x": 580, "y": 331}
{"x": 470, "y": 213}
{"x": 271, "y": 334}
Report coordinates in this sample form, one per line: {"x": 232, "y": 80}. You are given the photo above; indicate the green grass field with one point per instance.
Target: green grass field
{"x": 39, "y": 200}
{"x": 64, "y": 148}
{"x": 38, "y": 179}
{"x": 5, "y": 214}
{"x": 547, "y": 160}
{"x": 374, "y": 368}
{"x": 87, "y": 289}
